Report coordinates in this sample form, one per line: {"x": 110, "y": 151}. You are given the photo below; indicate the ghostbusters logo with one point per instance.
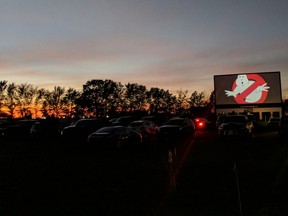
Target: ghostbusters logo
{"x": 249, "y": 88}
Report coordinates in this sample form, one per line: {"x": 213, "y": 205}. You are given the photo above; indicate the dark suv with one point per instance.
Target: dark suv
{"x": 283, "y": 127}
{"x": 176, "y": 128}
{"x": 236, "y": 125}
{"x": 79, "y": 131}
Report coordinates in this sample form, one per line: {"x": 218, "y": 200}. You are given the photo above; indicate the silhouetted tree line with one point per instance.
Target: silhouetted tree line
{"x": 97, "y": 98}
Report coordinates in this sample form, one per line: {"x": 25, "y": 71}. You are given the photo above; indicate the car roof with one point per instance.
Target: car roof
{"x": 173, "y": 118}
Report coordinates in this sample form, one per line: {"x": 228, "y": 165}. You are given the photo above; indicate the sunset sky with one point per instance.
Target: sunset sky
{"x": 174, "y": 45}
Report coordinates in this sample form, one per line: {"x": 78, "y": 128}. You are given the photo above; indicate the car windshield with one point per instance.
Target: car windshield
{"x": 85, "y": 122}
{"x": 239, "y": 119}
{"x": 221, "y": 118}
{"x": 107, "y": 130}
{"x": 124, "y": 118}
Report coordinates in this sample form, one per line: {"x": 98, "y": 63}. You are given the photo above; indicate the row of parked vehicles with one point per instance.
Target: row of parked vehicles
{"x": 116, "y": 132}
{"x": 235, "y": 125}
{"x": 126, "y": 131}
{"x": 130, "y": 129}
{"x": 279, "y": 124}
{"x": 242, "y": 125}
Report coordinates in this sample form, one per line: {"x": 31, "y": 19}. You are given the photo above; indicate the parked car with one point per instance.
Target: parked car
{"x": 273, "y": 123}
{"x": 46, "y": 129}
{"x": 79, "y": 131}
{"x": 283, "y": 127}
{"x": 176, "y": 128}
{"x": 3, "y": 123}
{"x": 148, "y": 129}
{"x": 18, "y": 130}
{"x": 219, "y": 120}
{"x": 114, "y": 137}
{"x": 236, "y": 125}
{"x": 3, "y": 128}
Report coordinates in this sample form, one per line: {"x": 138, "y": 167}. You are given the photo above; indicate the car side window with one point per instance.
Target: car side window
{"x": 146, "y": 124}
{"x": 124, "y": 130}
{"x": 186, "y": 122}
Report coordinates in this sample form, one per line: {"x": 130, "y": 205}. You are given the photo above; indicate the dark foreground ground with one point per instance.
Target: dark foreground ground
{"x": 233, "y": 177}
{"x": 206, "y": 176}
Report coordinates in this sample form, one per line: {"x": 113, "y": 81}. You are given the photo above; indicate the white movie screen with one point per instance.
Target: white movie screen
{"x": 248, "y": 88}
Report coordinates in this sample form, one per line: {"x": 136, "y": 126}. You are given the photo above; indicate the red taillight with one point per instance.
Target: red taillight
{"x": 141, "y": 137}
{"x": 201, "y": 124}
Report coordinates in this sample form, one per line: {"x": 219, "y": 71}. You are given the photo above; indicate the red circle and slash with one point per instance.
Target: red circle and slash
{"x": 259, "y": 81}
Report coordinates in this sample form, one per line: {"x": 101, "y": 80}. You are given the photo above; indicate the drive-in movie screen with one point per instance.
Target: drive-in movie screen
{"x": 248, "y": 88}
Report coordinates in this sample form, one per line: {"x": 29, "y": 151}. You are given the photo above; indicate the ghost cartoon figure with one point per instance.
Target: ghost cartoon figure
{"x": 242, "y": 83}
